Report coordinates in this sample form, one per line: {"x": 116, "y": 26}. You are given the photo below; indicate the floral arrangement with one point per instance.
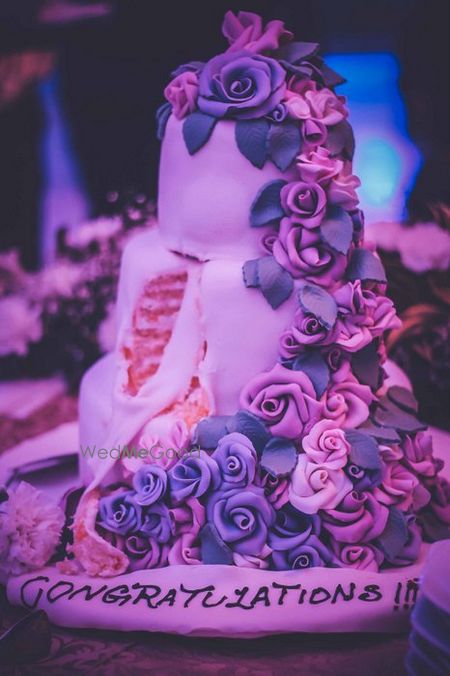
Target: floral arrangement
{"x": 30, "y": 529}
{"x": 322, "y": 465}
{"x": 61, "y": 318}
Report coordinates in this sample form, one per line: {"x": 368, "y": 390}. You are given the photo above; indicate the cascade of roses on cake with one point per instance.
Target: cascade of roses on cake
{"x": 226, "y": 504}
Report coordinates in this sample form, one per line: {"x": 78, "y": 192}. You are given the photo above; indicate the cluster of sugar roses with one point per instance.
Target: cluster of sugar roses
{"x": 321, "y": 466}
{"x": 266, "y": 494}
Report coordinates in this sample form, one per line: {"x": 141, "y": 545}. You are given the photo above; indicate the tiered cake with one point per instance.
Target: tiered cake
{"x": 241, "y": 449}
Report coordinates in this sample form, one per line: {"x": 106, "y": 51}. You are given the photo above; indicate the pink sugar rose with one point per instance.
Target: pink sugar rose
{"x": 401, "y": 488}
{"x": 317, "y": 166}
{"x": 326, "y": 445}
{"x": 304, "y": 202}
{"x": 347, "y": 402}
{"x": 188, "y": 520}
{"x": 285, "y": 400}
{"x": 245, "y": 30}
{"x": 315, "y": 487}
{"x": 342, "y": 189}
{"x": 305, "y": 101}
{"x": 297, "y": 106}
{"x": 358, "y": 556}
{"x": 182, "y": 93}
{"x": 260, "y": 562}
{"x": 358, "y": 518}
{"x": 302, "y": 252}
{"x": 418, "y": 453}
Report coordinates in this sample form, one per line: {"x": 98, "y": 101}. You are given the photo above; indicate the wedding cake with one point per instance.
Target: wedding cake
{"x": 247, "y": 467}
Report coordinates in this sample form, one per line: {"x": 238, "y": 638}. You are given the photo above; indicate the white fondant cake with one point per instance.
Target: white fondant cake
{"x": 248, "y": 467}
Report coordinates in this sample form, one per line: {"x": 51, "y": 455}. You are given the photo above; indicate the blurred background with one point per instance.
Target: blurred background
{"x": 79, "y": 86}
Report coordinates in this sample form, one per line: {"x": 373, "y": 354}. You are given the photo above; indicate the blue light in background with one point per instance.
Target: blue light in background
{"x": 386, "y": 160}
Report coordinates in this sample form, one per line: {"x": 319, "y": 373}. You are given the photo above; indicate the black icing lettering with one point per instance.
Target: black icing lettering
{"x": 301, "y": 597}
{"x": 261, "y": 596}
{"x": 168, "y": 598}
{"x": 51, "y": 598}
{"x": 37, "y": 598}
{"x": 371, "y": 593}
{"x": 284, "y": 590}
{"x": 240, "y": 593}
{"x": 89, "y": 594}
{"x": 114, "y": 595}
{"x": 398, "y": 591}
{"x": 411, "y": 593}
{"x": 315, "y": 597}
{"x": 143, "y": 595}
{"x": 195, "y": 592}
{"x": 209, "y": 595}
{"x": 339, "y": 592}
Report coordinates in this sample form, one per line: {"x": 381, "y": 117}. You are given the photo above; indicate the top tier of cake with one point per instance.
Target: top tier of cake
{"x": 204, "y": 199}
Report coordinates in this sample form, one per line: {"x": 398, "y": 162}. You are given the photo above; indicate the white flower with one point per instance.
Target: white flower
{"x": 30, "y": 526}
{"x": 422, "y": 247}
{"x": 100, "y": 229}
{"x": 59, "y": 279}
{"x": 20, "y": 324}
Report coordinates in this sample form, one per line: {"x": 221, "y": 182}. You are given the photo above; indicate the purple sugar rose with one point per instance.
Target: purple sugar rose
{"x": 358, "y": 518}
{"x": 401, "y": 488}
{"x": 292, "y": 528}
{"x": 309, "y": 554}
{"x": 304, "y": 254}
{"x": 236, "y": 458}
{"x": 305, "y": 331}
{"x": 418, "y": 453}
{"x": 278, "y": 114}
{"x": 284, "y": 399}
{"x": 157, "y": 523}
{"x": 276, "y": 489}
{"x": 305, "y": 203}
{"x": 119, "y": 513}
{"x": 358, "y": 556}
{"x": 150, "y": 484}
{"x": 245, "y": 30}
{"x": 242, "y": 518}
{"x": 193, "y": 476}
{"x": 240, "y": 85}
{"x": 144, "y": 553}
{"x": 363, "y": 479}
{"x": 315, "y": 487}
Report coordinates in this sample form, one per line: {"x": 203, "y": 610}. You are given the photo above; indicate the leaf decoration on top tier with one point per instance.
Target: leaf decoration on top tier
{"x": 285, "y": 142}
{"x": 197, "y": 129}
{"x": 252, "y": 139}
{"x": 340, "y": 139}
{"x": 364, "y": 265}
{"x": 275, "y": 282}
{"x": 319, "y": 303}
{"x": 266, "y": 207}
{"x": 336, "y": 229}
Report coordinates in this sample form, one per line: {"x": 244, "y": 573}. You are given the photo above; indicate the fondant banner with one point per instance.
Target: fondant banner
{"x": 224, "y": 600}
